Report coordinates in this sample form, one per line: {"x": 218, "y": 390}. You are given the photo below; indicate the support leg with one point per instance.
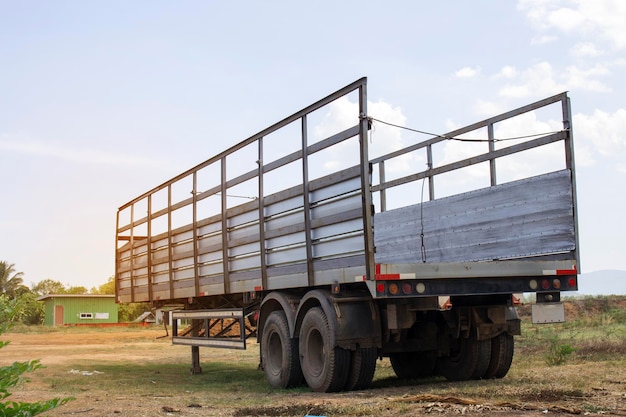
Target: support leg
{"x": 195, "y": 361}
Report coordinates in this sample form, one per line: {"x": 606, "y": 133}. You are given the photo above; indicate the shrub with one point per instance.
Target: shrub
{"x": 558, "y": 353}
{"x": 11, "y": 375}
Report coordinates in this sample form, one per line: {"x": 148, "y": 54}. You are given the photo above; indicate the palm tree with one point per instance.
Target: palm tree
{"x": 11, "y": 282}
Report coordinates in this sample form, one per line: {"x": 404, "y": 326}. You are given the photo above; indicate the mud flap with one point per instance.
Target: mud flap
{"x": 548, "y": 313}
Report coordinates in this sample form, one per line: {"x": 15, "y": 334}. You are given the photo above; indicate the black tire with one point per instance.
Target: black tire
{"x": 413, "y": 365}
{"x": 324, "y": 366}
{"x": 483, "y": 358}
{"x": 469, "y": 360}
{"x": 362, "y": 368}
{"x": 279, "y": 353}
{"x": 502, "y": 350}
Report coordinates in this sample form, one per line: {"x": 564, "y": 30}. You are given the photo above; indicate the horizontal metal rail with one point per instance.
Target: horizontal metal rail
{"x": 222, "y": 328}
{"x": 431, "y": 172}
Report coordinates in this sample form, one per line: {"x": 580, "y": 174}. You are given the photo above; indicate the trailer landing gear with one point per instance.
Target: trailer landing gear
{"x": 195, "y": 361}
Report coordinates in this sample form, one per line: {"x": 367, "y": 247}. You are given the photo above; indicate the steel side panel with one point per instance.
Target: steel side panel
{"x": 520, "y": 219}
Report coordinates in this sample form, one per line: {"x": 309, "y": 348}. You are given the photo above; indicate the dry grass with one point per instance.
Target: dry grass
{"x": 144, "y": 375}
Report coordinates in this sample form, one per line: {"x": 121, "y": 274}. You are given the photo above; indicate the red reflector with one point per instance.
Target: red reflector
{"x": 545, "y": 284}
{"x": 380, "y": 288}
{"x": 572, "y": 282}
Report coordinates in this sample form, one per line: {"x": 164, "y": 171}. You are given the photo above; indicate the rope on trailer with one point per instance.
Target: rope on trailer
{"x": 423, "y": 248}
{"x": 423, "y": 132}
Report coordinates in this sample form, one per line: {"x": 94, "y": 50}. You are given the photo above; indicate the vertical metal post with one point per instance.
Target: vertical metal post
{"x": 570, "y": 164}
{"x": 170, "y": 248}
{"x": 117, "y": 254}
{"x": 492, "y": 148}
{"x": 383, "y": 191}
{"x": 225, "y": 251}
{"x": 431, "y": 179}
{"x": 196, "y": 369}
{"x": 132, "y": 255}
{"x": 567, "y": 126}
{"x": 261, "y": 200}
{"x": 306, "y": 204}
{"x": 366, "y": 194}
{"x": 149, "y": 250}
{"x": 242, "y": 327}
{"x": 194, "y": 207}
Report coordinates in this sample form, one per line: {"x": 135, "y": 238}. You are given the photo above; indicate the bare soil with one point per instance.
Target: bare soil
{"x": 69, "y": 355}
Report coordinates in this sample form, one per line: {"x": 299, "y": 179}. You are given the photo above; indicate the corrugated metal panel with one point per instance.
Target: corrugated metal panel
{"x": 523, "y": 218}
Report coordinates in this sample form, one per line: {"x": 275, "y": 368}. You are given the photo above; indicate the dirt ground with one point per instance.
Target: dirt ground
{"x": 71, "y": 352}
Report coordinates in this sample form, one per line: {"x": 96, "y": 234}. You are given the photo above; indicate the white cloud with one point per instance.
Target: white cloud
{"x": 541, "y": 80}
{"x": 565, "y": 19}
{"x": 603, "y": 133}
{"x": 542, "y": 40}
{"x": 603, "y": 19}
{"x": 586, "y": 49}
{"x": 15, "y": 143}
{"x": 467, "y": 72}
{"x": 537, "y": 80}
{"x": 584, "y": 78}
{"x": 599, "y": 137}
{"x": 487, "y": 108}
{"x": 507, "y": 72}
{"x": 584, "y": 155}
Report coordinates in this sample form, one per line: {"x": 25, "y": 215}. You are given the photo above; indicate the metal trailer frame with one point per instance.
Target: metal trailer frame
{"x": 321, "y": 232}
{"x": 148, "y": 265}
{"x": 538, "y": 252}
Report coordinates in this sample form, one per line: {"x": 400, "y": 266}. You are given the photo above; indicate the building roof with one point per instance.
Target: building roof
{"x": 51, "y": 296}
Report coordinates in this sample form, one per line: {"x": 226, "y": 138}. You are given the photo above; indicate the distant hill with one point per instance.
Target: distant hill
{"x": 608, "y": 282}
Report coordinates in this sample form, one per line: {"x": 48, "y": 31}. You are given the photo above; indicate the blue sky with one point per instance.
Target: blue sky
{"x": 101, "y": 101}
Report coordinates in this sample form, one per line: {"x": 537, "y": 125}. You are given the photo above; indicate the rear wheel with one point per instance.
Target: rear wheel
{"x": 412, "y": 365}
{"x": 362, "y": 368}
{"x": 279, "y": 353}
{"x": 324, "y": 366}
{"x": 502, "y": 350}
{"x": 469, "y": 359}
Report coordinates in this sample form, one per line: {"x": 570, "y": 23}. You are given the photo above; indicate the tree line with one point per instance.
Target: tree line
{"x": 32, "y": 312}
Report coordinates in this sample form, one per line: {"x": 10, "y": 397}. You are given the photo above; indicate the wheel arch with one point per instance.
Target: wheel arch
{"x": 288, "y": 303}
{"x": 316, "y": 298}
{"x": 354, "y": 318}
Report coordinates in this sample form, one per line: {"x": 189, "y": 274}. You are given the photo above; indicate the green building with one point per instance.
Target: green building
{"x": 62, "y": 309}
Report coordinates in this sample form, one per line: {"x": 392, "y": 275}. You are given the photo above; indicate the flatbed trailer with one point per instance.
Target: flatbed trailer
{"x": 333, "y": 258}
